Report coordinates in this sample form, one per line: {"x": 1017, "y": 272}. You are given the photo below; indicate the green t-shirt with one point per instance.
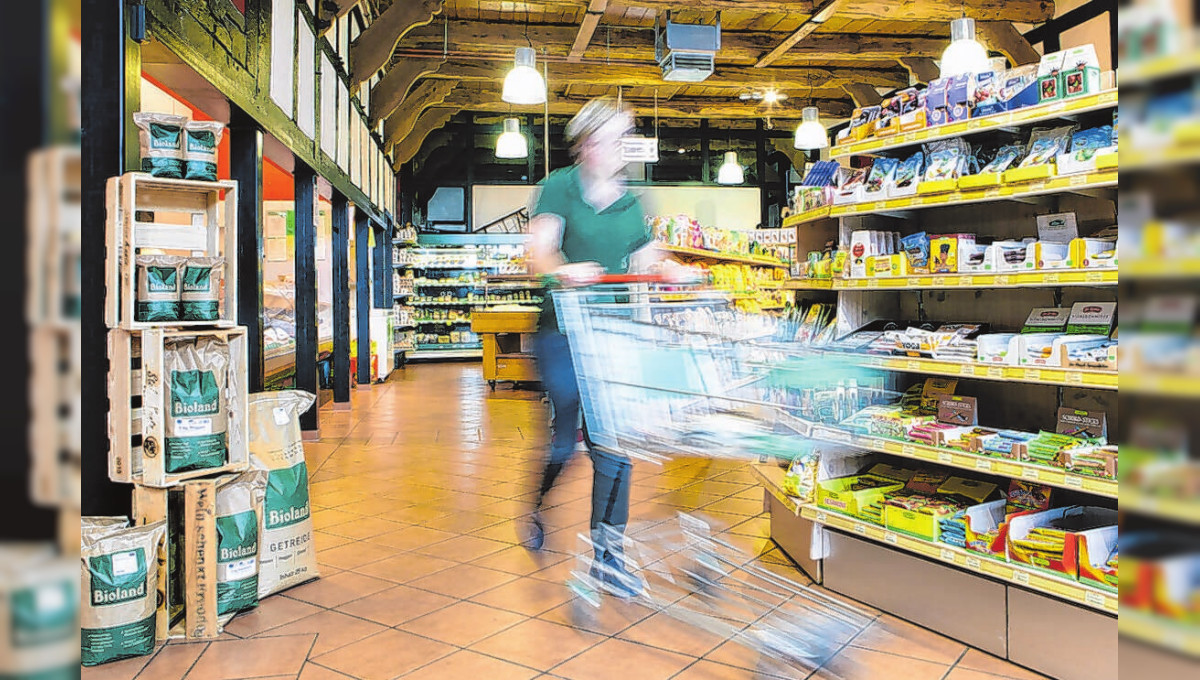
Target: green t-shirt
{"x": 607, "y": 237}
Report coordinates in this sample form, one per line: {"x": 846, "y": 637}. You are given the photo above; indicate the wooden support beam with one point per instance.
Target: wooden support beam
{"x": 1004, "y": 38}
{"x": 923, "y": 69}
{"x": 246, "y": 166}
{"x": 429, "y": 121}
{"x": 305, "y": 273}
{"x": 373, "y": 49}
{"x": 587, "y": 29}
{"x": 341, "y": 299}
{"x": 863, "y": 95}
{"x": 341, "y": 9}
{"x": 362, "y": 295}
{"x": 1023, "y": 11}
{"x": 389, "y": 93}
{"x": 427, "y": 94}
{"x": 820, "y": 15}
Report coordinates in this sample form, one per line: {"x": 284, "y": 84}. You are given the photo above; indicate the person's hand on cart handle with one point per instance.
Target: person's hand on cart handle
{"x": 579, "y": 273}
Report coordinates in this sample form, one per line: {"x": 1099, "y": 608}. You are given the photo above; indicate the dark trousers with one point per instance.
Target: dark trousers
{"x": 610, "y": 473}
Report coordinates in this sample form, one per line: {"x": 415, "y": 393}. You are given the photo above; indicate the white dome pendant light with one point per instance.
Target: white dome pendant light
{"x": 731, "y": 171}
{"x": 511, "y": 143}
{"x": 964, "y": 54}
{"x": 811, "y": 135}
{"x": 523, "y": 85}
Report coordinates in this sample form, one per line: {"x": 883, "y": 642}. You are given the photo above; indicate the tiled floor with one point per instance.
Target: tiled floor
{"x": 415, "y": 492}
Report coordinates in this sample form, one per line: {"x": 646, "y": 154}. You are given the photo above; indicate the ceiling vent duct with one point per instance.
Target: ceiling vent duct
{"x": 686, "y": 52}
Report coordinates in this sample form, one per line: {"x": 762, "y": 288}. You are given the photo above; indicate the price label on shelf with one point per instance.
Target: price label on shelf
{"x": 995, "y": 372}
{"x": 1031, "y": 473}
{"x": 967, "y": 370}
{"x": 1021, "y": 577}
{"x": 889, "y": 537}
{"x": 991, "y": 193}
{"x": 975, "y": 124}
{"x": 946, "y": 458}
{"x": 939, "y": 281}
{"x": 974, "y": 563}
{"x": 881, "y": 205}
{"x": 872, "y": 283}
{"x": 1079, "y": 180}
{"x": 947, "y": 555}
{"x": 913, "y": 365}
{"x": 1055, "y": 108}
{"x": 860, "y": 529}
{"x": 1094, "y": 277}
{"x": 1095, "y": 599}
{"x": 1033, "y": 374}
{"x": 1073, "y": 481}
{"x": 1052, "y": 278}
{"x": 1037, "y": 186}
{"x": 1002, "y": 279}
{"x": 1075, "y": 378}
{"x": 983, "y": 464}
{"x": 908, "y": 450}
{"x": 822, "y": 517}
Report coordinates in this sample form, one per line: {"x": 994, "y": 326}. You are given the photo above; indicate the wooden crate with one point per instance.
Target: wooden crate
{"x": 53, "y": 235}
{"x": 136, "y": 435}
{"x": 187, "y": 605}
{"x": 55, "y": 446}
{"x": 187, "y": 217}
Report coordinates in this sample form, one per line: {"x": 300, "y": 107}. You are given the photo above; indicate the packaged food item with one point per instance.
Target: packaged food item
{"x": 944, "y": 252}
{"x": 158, "y": 286}
{"x": 200, "y": 296}
{"x": 1045, "y": 144}
{"x": 851, "y": 186}
{"x": 907, "y": 174}
{"x": 1086, "y": 143}
{"x": 985, "y": 100}
{"x": 801, "y": 479}
{"x": 161, "y": 139}
{"x": 880, "y": 176}
{"x": 98, "y": 527}
{"x": 196, "y": 371}
{"x": 239, "y": 506}
{"x": 947, "y": 159}
{"x": 916, "y": 247}
{"x": 39, "y": 605}
{"x": 1004, "y": 159}
{"x": 119, "y": 577}
{"x": 200, "y": 150}
{"x": 862, "y": 122}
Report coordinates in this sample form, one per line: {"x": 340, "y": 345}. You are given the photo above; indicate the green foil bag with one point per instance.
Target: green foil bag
{"x": 197, "y": 416}
{"x": 161, "y": 138}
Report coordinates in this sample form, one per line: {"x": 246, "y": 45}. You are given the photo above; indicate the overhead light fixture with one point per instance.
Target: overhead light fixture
{"x": 731, "y": 172}
{"x": 523, "y": 85}
{"x": 964, "y": 54}
{"x": 511, "y": 143}
{"x": 811, "y": 134}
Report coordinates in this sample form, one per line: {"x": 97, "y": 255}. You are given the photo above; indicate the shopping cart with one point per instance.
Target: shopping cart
{"x": 665, "y": 371}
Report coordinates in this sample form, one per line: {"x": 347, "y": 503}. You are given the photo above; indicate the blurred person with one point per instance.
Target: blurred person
{"x": 586, "y": 224}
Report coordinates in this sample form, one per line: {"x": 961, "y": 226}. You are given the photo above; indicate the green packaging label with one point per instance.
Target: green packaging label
{"x": 101, "y": 645}
{"x": 203, "y": 141}
{"x": 287, "y": 497}
{"x": 163, "y": 167}
{"x": 44, "y": 615}
{"x": 162, "y": 279}
{"x": 118, "y": 577}
{"x": 195, "y": 400}
{"x": 196, "y": 279}
{"x": 164, "y": 136}
{"x": 237, "y": 562}
{"x": 202, "y": 170}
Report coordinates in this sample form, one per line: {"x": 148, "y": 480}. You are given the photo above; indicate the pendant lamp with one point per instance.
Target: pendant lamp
{"x": 811, "y": 134}
{"x": 731, "y": 171}
{"x": 524, "y": 85}
{"x": 964, "y": 54}
{"x": 511, "y": 143}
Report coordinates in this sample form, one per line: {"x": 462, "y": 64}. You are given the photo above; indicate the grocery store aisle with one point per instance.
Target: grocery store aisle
{"x": 414, "y": 494}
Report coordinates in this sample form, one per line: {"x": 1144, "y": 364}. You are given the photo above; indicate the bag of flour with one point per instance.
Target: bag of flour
{"x": 200, "y": 298}
{"x": 39, "y": 613}
{"x": 99, "y": 527}
{"x": 197, "y": 418}
{"x": 200, "y": 149}
{"x": 239, "y": 506}
{"x": 158, "y": 278}
{"x": 161, "y": 137}
{"x": 119, "y": 577}
{"x": 287, "y": 556}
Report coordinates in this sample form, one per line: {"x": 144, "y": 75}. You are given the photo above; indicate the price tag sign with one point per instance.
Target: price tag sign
{"x": 881, "y": 205}
{"x": 872, "y": 283}
{"x": 983, "y": 464}
{"x": 1021, "y": 577}
{"x": 860, "y": 529}
{"x": 995, "y": 372}
{"x": 1075, "y": 378}
{"x": 946, "y": 458}
{"x": 991, "y": 193}
{"x": 1037, "y": 186}
{"x": 1033, "y": 374}
{"x": 889, "y": 537}
{"x": 947, "y": 555}
{"x": 973, "y": 563}
{"x": 1052, "y": 278}
{"x": 822, "y": 517}
{"x": 913, "y": 365}
{"x": 1094, "y": 277}
{"x": 1031, "y": 473}
{"x": 1095, "y": 599}
{"x": 967, "y": 370}
{"x": 975, "y": 124}
{"x": 1001, "y": 279}
{"x": 1074, "y": 481}
{"x": 1079, "y": 180}
{"x": 939, "y": 281}
{"x": 908, "y": 450}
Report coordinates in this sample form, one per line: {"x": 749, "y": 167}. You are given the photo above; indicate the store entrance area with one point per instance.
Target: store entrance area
{"x": 417, "y": 494}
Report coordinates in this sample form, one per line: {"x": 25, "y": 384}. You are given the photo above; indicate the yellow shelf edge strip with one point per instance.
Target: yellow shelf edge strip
{"x": 1016, "y": 279}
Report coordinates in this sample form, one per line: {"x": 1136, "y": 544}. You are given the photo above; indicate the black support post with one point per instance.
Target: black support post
{"x": 381, "y": 261}
{"x": 404, "y": 190}
{"x": 760, "y": 168}
{"x": 362, "y": 302}
{"x": 341, "y": 299}
{"x": 306, "y": 288}
{"x": 705, "y": 151}
{"x": 246, "y": 167}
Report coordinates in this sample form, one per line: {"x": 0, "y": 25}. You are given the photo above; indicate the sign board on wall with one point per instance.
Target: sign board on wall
{"x": 639, "y": 149}
{"x": 283, "y": 50}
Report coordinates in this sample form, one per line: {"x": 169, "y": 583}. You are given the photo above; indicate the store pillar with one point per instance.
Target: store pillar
{"x": 382, "y": 263}
{"x": 306, "y": 290}
{"x": 341, "y": 300}
{"x": 246, "y": 167}
{"x": 362, "y": 302}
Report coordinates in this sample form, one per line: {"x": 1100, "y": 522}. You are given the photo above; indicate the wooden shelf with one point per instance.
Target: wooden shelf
{"x": 722, "y": 257}
{"x": 1039, "y": 279}
{"x": 1160, "y": 632}
{"x": 1186, "y": 511}
{"x": 1030, "y": 114}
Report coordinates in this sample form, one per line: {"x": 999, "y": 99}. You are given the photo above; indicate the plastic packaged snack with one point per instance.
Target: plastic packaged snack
{"x": 1004, "y": 158}
{"x": 1045, "y": 144}
{"x": 881, "y": 172}
{"x": 908, "y": 170}
{"x": 1085, "y": 143}
{"x": 946, "y": 159}
{"x": 916, "y": 246}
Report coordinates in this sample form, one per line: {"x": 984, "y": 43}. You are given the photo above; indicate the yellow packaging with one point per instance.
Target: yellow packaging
{"x": 879, "y": 265}
{"x": 943, "y": 255}
{"x": 835, "y": 494}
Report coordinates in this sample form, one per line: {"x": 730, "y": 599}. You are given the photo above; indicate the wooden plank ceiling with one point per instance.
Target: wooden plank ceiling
{"x": 814, "y": 51}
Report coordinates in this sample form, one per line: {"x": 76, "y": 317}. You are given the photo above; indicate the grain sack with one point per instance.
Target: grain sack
{"x": 99, "y": 527}
{"x": 200, "y": 297}
{"x": 158, "y": 288}
{"x": 119, "y": 575}
{"x": 200, "y": 149}
{"x": 39, "y": 613}
{"x": 161, "y": 137}
{"x": 196, "y": 371}
{"x": 239, "y": 506}
{"x": 287, "y": 556}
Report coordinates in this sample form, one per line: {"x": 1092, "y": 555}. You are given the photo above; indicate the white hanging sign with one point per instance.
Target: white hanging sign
{"x": 639, "y": 149}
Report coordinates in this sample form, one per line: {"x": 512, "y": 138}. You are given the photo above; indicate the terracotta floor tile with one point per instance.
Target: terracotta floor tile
{"x": 864, "y": 663}
{"x": 609, "y": 619}
{"x": 396, "y": 605}
{"x": 338, "y": 589}
{"x": 469, "y": 665}
{"x": 411, "y": 537}
{"x": 620, "y": 659}
{"x": 315, "y": 671}
{"x": 387, "y": 655}
{"x": 526, "y": 596}
{"x": 517, "y": 560}
{"x": 125, "y": 669}
{"x": 405, "y": 567}
{"x": 463, "y": 548}
{"x": 708, "y": 670}
{"x": 538, "y": 644}
{"x": 355, "y": 554}
{"x": 756, "y": 663}
{"x": 325, "y": 541}
{"x": 667, "y": 632}
{"x": 986, "y": 663}
{"x": 968, "y": 674}
{"x": 325, "y": 519}
{"x": 891, "y": 635}
{"x": 508, "y": 532}
{"x": 173, "y": 661}
{"x": 462, "y": 624}
{"x": 271, "y": 612}
{"x": 258, "y": 657}
{"x": 465, "y": 522}
{"x": 375, "y": 506}
{"x": 333, "y": 630}
{"x": 462, "y": 581}
{"x": 364, "y": 527}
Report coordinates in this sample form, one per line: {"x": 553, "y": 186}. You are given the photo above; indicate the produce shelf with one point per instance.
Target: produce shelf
{"x": 722, "y": 257}
{"x": 1070, "y": 377}
{"x": 1104, "y": 179}
{"x": 1161, "y": 385}
{"x": 1030, "y": 114}
{"x": 441, "y": 321}
{"x": 1016, "y": 574}
{"x": 1038, "y": 279}
{"x": 1134, "y": 500}
{"x": 1161, "y": 632}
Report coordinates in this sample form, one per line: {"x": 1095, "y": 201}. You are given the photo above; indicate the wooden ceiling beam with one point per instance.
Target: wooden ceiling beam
{"x": 390, "y": 92}
{"x": 1004, "y": 38}
{"x": 499, "y": 39}
{"x": 863, "y": 95}
{"x": 373, "y": 49}
{"x": 821, "y": 14}
{"x": 923, "y": 69}
{"x": 427, "y": 94}
{"x": 428, "y": 121}
{"x": 587, "y": 29}
{"x": 1023, "y": 11}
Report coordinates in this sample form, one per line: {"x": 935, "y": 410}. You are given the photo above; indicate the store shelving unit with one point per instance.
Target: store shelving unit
{"x": 714, "y": 256}
{"x": 1063, "y": 377}
{"x": 1176, "y": 637}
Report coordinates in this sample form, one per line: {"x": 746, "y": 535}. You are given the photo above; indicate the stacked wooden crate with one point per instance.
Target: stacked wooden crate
{"x": 150, "y": 215}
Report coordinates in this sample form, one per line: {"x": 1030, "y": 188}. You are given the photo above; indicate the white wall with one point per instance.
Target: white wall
{"x": 724, "y": 207}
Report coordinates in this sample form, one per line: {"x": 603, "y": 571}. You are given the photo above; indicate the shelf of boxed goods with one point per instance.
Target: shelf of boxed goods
{"x": 1134, "y": 499}
{"x": 1183, "y": 638}
{"x": 1065, "y": 377}
{"x": 1015, "y": 279}
{"x": 771, "y": 477}
{"x": 1025, "y": 116}
{"x": 723, "y": 257}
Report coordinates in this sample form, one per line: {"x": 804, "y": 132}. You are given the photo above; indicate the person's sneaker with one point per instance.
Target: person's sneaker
{"x": 535, "y": 533}
{"x": 616, "y": 581}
